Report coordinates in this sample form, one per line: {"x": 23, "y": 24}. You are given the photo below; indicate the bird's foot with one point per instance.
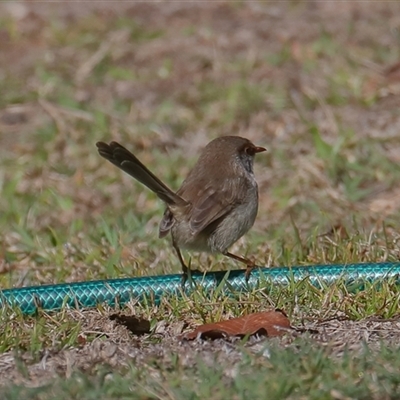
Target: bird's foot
{"x": 249, "y": 268}
{"x": 187, "y": 274}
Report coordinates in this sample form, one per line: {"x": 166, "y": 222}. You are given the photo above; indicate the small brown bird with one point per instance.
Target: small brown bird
{"x": 216, "y": 204}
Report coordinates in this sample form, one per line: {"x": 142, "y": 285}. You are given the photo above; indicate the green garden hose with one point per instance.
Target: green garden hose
{"x": 120, "y": 291}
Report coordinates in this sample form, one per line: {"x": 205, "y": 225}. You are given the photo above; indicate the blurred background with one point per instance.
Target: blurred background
{"x": 317, "y": 83}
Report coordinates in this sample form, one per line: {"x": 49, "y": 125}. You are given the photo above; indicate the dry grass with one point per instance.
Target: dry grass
{"x": 316, "y": 84}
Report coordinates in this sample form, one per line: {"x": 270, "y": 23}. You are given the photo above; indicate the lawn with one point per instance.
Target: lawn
{"x": 316, "y": 83}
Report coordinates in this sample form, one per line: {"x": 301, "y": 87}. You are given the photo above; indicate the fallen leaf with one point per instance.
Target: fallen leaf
{"x": 386, "y": 203}
{"x": 137, "y": 326}
{"x": 81, "y": 339}
{"x": 268, "y": 323}
{"x": 392, "y": 72}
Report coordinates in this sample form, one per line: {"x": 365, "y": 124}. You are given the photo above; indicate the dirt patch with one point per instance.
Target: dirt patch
{"x": 116, "y": 348}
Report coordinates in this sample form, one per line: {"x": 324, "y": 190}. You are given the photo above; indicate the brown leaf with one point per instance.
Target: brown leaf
{"x": 137, "y": 326}
{"x": 81, "y": 339}
{"x": 392, "y": 72}
{"x": 268, "y": 323}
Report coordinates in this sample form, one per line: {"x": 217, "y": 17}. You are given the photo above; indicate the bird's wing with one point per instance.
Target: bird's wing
{"x": 213, "y": 202}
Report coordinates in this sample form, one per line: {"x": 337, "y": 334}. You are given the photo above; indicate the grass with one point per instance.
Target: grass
{"x": 312, "y": 374}
{"x": 164, "y": 86}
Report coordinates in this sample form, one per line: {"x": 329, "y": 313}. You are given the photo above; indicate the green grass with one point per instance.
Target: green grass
{"x": 164, "y": 85}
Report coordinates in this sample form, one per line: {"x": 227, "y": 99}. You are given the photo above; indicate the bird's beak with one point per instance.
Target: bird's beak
{"x": 258, "y": 149}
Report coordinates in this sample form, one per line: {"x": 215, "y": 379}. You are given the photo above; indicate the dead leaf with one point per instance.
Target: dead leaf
{"x": 386, "y": 203}
{"x": 392, "y": 73}
{"x": 137, "y": 326}
{"x": 268, "y": 323}
{"x": 337, "y": 231}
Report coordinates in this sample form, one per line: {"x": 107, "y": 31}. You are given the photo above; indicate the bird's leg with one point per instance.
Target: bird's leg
{"x": 250, "y": 265}
{"x": 185, "y": 269}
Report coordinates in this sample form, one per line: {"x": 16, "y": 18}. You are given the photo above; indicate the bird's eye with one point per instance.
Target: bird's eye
{"x": 250, "y": 151}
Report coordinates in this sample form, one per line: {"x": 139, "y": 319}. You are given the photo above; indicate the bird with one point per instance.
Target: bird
{"x": 216, "y": 204}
